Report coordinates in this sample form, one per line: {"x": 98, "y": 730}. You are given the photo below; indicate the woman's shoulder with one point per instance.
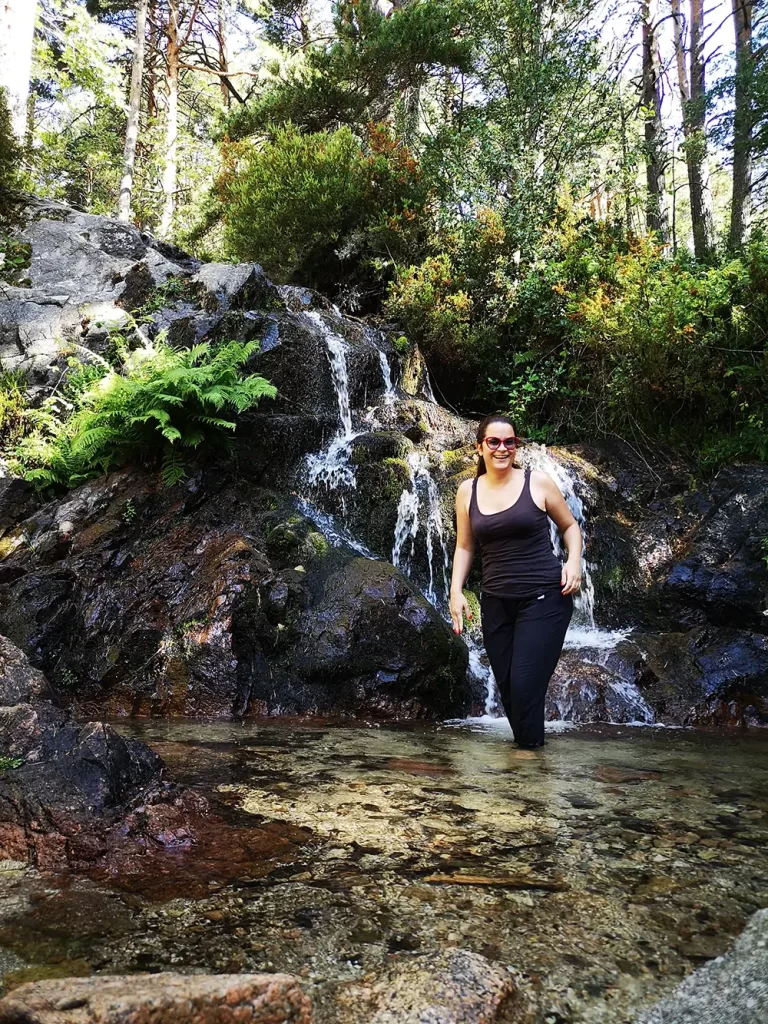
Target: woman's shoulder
{"x": 465, "y": 487}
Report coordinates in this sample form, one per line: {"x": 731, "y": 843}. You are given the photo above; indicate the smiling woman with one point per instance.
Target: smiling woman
{"x": 526, "y": 601}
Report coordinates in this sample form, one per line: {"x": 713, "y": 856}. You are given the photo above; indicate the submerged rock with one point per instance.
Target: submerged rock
{"x": 453, "y": 986}
{"x": 167, "y": 998}
{"x": 733, "y": 989}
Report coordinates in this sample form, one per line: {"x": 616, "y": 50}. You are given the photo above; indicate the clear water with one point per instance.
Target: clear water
{"x": 605, "y": 867}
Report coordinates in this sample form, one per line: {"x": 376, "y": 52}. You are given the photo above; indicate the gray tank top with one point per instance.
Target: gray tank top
{"x": 515, "y": 546}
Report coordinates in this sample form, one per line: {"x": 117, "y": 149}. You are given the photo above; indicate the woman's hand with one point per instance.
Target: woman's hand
{"x": 459, "y": 609}
{"x": 570, "y": 578}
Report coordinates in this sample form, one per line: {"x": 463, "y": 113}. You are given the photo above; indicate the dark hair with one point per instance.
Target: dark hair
{"x": 494, "y": 417}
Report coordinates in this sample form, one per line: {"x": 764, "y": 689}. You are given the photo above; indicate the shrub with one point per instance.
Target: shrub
{"x": 324, "y": 208}
{"x": 10, "y": 159}
{"x": 164, "y": 403}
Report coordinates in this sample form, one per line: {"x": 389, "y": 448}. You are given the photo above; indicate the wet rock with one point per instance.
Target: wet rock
{"x": 597, "y": 686}
{"x": 67, "y": 786}
{"x": 207, "y": 600}
{"x": 170, "y": 998}
{"x": 708, "y": 676}
{"x": 370, "y": 644}
{"x": 723, "y": 578}
{"x": 733, "y": 989}
{"x": 241, "y": 286}
{"x": 453, "y": 986}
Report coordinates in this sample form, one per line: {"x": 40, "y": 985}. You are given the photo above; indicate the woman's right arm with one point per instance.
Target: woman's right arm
{"x": 462, "y": 557}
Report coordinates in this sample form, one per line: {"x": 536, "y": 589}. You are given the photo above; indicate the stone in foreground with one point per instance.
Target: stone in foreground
{"x": 160, "y": 999}
{"x": 733, "y": 989}
{"x": 453, "y": 986}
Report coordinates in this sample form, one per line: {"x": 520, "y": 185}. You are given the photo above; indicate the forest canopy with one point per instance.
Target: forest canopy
{"x": 563, "y": 202}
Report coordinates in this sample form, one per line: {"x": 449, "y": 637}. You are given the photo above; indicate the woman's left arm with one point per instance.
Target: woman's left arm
{"x": 558, "y": 511}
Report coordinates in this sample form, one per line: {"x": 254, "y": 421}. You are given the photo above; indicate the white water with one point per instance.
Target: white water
{"x": 331, "y": 528}
{"x": 390, "y": 395}
{"x": 408, "y": 525}
{"x": 331, "y": 466}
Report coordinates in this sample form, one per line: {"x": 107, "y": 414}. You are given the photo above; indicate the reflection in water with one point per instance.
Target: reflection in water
{"x": 606, "y": 866}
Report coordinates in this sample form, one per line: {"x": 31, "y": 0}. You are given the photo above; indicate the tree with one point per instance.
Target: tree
{"x": 17, "y": 24}
{"x": 693, "y": 98}
{"x": 742, "y": 123}
{"x": 656, "y": 211}
{"x": 134, "y": 109}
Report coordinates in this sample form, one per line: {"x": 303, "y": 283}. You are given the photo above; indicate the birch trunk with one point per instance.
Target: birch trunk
{"x": 170, "y": 173}
{"x": 656, "y": 209}
{"x": 742, "y": 124}
{"x": 17, "y": 27}
{"x": 134, "y": 109}
{"x": 692, "y": 87}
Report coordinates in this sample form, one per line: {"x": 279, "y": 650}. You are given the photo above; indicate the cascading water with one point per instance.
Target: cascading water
{"x": 408, "y": 527}
{"x": 331, "y": 467}
{"x": 419, "y": 508}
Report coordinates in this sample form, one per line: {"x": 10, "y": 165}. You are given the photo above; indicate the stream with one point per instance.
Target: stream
{"x": 605, "y": 867}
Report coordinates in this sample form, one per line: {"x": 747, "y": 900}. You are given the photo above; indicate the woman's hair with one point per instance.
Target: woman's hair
{"x": 482, "y": 427}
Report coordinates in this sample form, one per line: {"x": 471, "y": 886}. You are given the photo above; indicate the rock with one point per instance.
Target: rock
{"x": 708, "y": 676}
{"x": 203, "y": 600}
{"x": 373, "y": 645}
{"x": 733, "y": 989}
{"x": 167, "y": 998}
{"x": 79, "y": 262}
{"x": 723, "y": 577}
{"x": 598, "y": 686}
{"x": 242, "y": 286}
{"x": 66, "y": 800}
{"x": 453, "y": 986}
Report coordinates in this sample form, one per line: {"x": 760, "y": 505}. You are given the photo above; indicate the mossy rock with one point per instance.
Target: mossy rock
{"x": 378, "y": 446}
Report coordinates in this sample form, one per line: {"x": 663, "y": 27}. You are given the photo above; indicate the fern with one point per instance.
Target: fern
{"x": 163, "y": 400}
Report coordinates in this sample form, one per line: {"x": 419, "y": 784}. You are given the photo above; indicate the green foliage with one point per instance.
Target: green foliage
{"x": 9, "y": 763}
{"x": 600, "y": 334}
{"x": 13, "y": 407}
{"x": 10, "y": 159}
{"x": 309, "y": 206}
{"x": 163, "y": 403}
{"x": 15, "y": 258}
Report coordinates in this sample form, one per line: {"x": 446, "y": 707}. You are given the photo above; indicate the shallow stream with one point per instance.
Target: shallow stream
{"x": 604, "y": 867}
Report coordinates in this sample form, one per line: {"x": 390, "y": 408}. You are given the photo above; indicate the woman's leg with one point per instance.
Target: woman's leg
{"x": 540, "y": 628}
{"x": 498, "y": 621}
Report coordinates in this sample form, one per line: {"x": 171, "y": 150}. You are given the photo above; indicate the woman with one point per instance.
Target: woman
{"x": 526, "y": 600}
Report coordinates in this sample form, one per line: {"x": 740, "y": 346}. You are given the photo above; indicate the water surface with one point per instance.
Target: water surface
{"x": 604, "y": 867}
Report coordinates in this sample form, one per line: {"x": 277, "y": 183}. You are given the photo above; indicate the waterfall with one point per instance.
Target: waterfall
{"x": 434, "y": 534}
{"x": 331, "y": 466}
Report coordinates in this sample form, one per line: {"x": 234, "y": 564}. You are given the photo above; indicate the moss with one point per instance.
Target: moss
{"x": 401, "y": 344}
{"x": 44, "y": 972}
{"x": 457, "y": 460}
{"x": 319, "y": 543}
{"x": 474, "y": 604}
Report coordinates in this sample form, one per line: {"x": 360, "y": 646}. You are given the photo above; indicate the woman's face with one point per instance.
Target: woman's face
{"x": 497, "y": 456}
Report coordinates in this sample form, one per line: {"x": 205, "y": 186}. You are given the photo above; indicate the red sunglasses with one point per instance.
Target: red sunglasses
{"x": 496, "y": 442}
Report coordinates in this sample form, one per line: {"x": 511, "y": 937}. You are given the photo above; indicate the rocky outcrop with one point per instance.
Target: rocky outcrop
{"x": 67, "y": 787}
{"x": 166, "y": 998}
{"x": 218, "y": 598}
{"x": 732, "y": 989}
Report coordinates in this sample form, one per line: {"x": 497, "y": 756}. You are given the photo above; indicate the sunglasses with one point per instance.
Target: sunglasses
{"x": 496, "y": 442}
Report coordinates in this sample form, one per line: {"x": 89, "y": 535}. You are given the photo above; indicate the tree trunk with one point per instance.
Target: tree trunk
{"x": 17, "y": 27}
{"x": 694, "y": 105}
{"x": 170, "y": 172}
{"x": 226, "y": 95}
{"x": 742, "y": 123}
{"x": 134, "y": 109}
{"x": 656, "y": 210}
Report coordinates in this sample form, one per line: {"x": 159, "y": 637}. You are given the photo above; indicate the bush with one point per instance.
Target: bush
{"x": 321, "y": 209}
{"x": 597, "y": 334}
{"x": 10, "y": 159}
{"x": 164, "y": 403}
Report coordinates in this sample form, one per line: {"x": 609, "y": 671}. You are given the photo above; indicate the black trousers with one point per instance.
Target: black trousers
{"x": 524, "y": 638}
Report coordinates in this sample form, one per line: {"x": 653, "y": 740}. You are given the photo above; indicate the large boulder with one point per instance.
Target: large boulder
{"x": 163, "y": 998}
{"x": 732, "y": 989}
{"x": 722, "y": 576}
{"x": 65, "y": 785}
{"x": 200, "y": 599}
